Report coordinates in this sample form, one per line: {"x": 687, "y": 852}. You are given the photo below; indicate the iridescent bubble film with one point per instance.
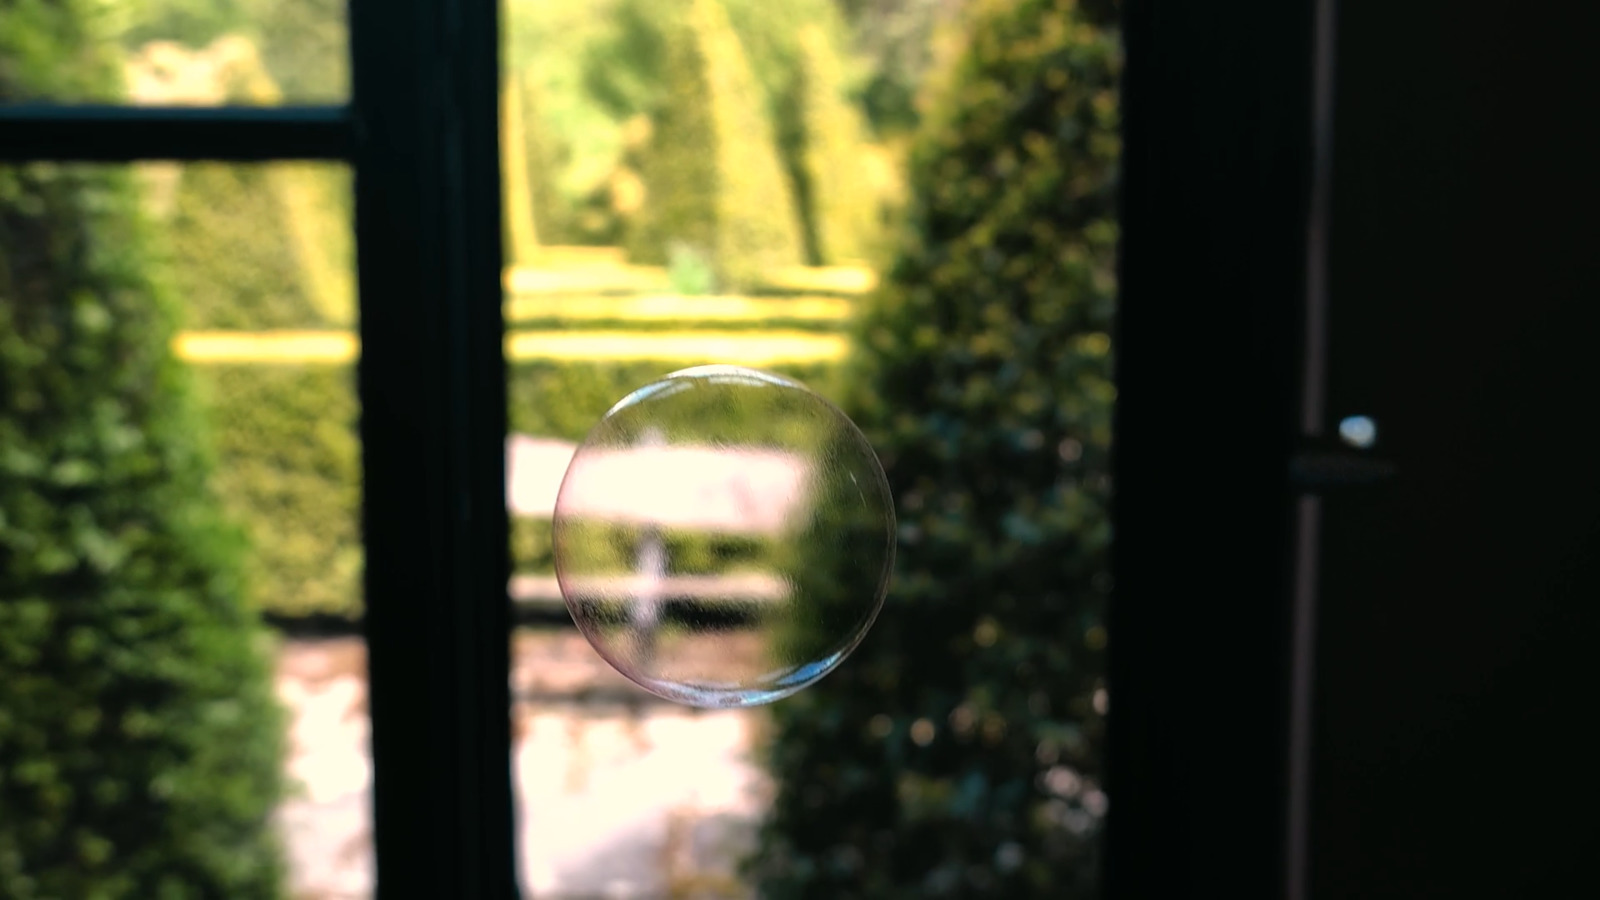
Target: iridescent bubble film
{"x": 724, "y": 536}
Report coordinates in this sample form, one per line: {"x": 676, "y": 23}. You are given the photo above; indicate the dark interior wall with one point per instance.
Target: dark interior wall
{"x": 1460, "y": 604}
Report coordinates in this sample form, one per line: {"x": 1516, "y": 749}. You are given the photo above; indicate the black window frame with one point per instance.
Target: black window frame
{"x": 1221, "y": 276}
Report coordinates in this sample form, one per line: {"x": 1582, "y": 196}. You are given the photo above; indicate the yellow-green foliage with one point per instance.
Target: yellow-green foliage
{"x": 713, "y": 178}
{"x": 534, "y": 214}
{"x": 290, "y": 474}
{"x": 843, "y": 201}
{"x": 257, "y": 247}
{"x": 522, "y": 231}
{"x": 316, "y": 202}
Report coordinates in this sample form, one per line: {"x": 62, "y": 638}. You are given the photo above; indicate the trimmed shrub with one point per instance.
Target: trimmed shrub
{"x": 291, "y": 475}
{"x": 773, "y": 35}
{"x": 516, "y": 141}
{"x": 261, "y": 247}
{"x": 306, "y": 46}
{"x": 957, "y": 752}
{"x": 140, "y": 744}
{"x": 319, "y": 212}
{"x": 533, "y": 163}
{"x": 624, "y": 71}
{"x": 841, "y": 202}
{"x": 713, "y": 180}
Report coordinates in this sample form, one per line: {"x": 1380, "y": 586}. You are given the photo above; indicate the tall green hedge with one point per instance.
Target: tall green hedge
{"x": 305, "y": 44}
{"x": 238, "y": 261}
{"x": 140, "y": 743}
{"x": 518, "y": 148}
{"x": 841, "y": 206}
{"x": 957, "y": 752}
{"x": 713, "y": 178}
{"x": 290, "y": 474}
{"x": 624, "y": 67}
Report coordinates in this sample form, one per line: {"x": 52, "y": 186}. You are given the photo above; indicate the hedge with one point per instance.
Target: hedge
{"x": 956, "y": 753}
{"x": 519, "y": 226}
{"x": 530, "y": 163}
{"x": 714, "y": 184}
{"x": 290, "y": 473}
{"x": 842, "y": 203}
{"x": 261, "y": 246}
{"x": 140, "y": 742}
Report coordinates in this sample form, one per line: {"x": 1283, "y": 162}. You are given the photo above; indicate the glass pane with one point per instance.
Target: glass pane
{"x": 907, "y": 205}
{"x": 174, "y": 52}
{"x": 182, "y": 672}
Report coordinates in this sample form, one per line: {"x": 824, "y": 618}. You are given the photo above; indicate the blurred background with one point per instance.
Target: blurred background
{"x": 905, "y": 204}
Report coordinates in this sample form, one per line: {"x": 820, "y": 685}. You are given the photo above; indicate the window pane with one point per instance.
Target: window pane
{"x": 175, "y": 52}
{"x": 182, "y": 673}
{"x": 908, "y": 206}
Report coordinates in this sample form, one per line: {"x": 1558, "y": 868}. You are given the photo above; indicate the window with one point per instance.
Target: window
{"x": 423, "y": 167}
{"x": 1214, "y": 251}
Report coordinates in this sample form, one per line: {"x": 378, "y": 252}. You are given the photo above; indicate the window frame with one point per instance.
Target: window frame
{"x": 1219, "y": 446}
{"x": 1220, "y": 274}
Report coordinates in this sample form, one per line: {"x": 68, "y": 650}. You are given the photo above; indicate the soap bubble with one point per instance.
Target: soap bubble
{"x": 723, "y": 537}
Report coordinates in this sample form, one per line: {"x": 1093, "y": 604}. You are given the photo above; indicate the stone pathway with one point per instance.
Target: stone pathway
{"x": 618, "y": 795}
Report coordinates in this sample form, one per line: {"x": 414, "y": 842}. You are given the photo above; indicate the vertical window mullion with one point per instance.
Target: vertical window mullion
{"x": 433, "y": 424}
{"x": 1218, "y": 111}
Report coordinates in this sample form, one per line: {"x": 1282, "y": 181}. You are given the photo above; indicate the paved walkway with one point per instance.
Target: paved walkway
{"x": 618, "y": 796}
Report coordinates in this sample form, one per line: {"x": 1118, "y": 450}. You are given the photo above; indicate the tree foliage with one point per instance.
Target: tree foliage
{"x": 305, "y": 43}
{"x": 956, "y": 753}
